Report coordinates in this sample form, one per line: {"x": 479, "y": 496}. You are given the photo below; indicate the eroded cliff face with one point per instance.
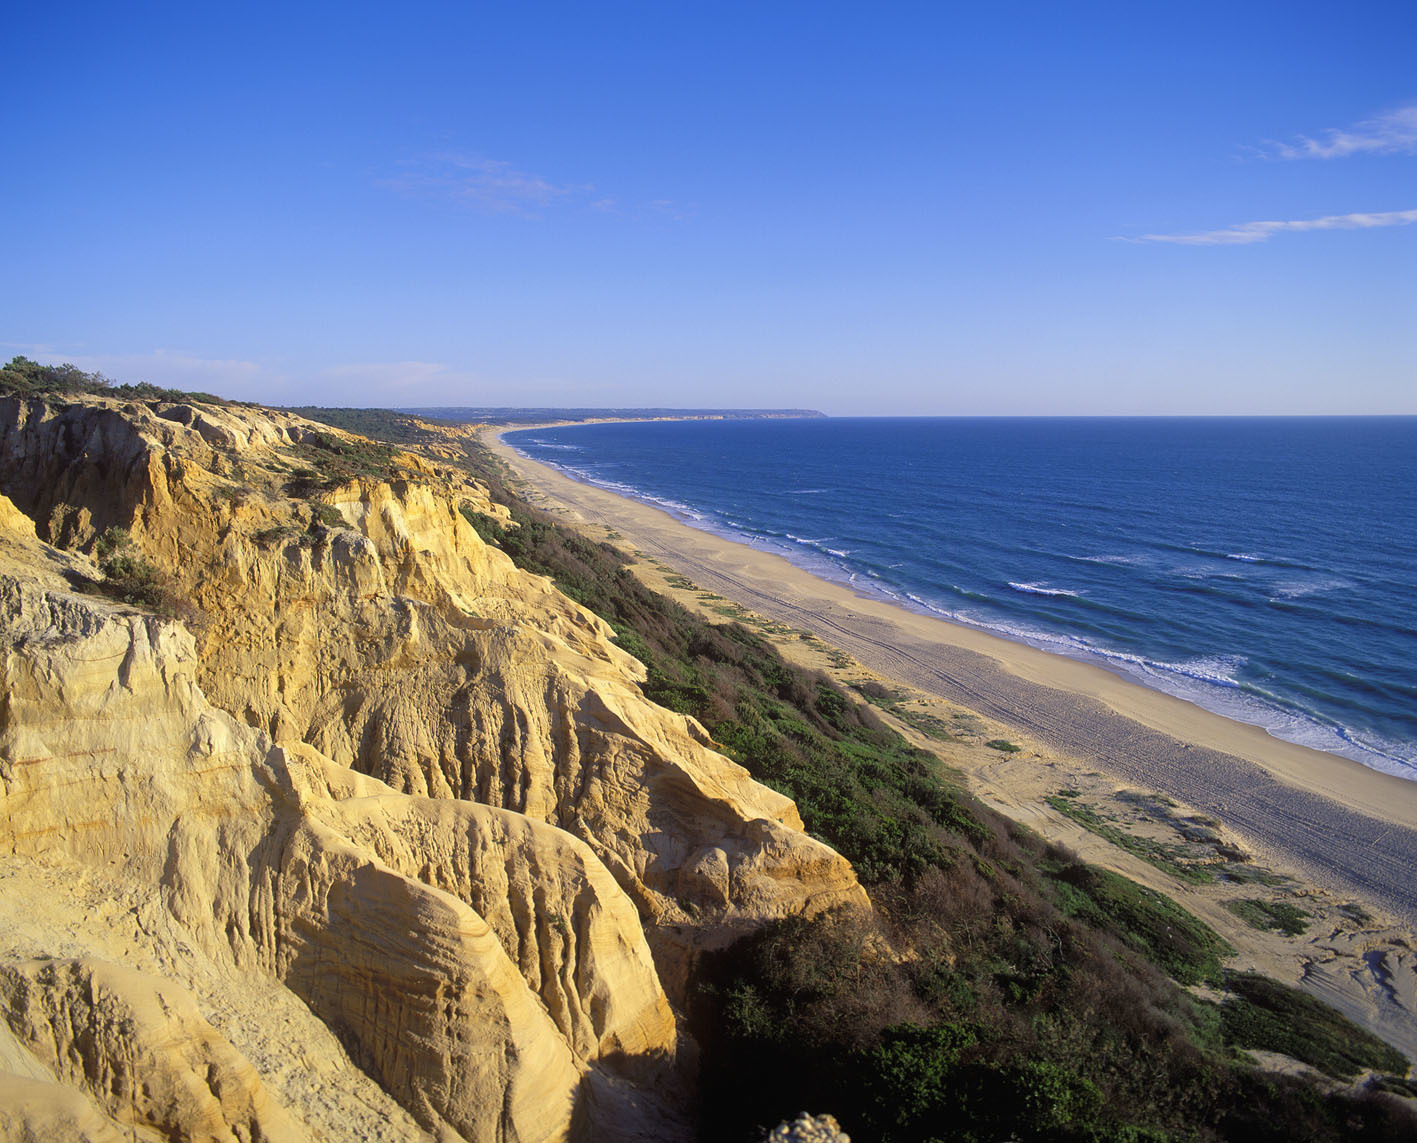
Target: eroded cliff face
{"x": 390, "y": 775}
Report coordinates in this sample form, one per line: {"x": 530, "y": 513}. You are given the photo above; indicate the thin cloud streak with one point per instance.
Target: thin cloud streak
{"x": 1246, "y": 233}
{"x": 494, "y": 186}
{"x": 489, "y": 185}
{"x": 1394, "y": 133}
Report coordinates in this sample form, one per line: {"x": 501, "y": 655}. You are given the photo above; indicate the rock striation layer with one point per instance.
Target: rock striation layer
{"x": 383, "y": 788}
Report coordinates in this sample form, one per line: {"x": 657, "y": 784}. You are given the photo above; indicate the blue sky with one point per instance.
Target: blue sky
{"x": 863, "y": 208}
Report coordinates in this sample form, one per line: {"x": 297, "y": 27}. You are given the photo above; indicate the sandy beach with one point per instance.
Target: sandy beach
{"x": 1336, "y": 823}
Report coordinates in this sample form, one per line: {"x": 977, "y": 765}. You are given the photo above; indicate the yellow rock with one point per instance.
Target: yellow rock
{"x": 140, "y": 1050}
{"x": 416, "y": 786}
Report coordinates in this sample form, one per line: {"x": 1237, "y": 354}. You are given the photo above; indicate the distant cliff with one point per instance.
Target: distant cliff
{"x": 322, "y": 820}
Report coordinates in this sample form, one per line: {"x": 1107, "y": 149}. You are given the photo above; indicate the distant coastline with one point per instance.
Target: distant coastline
{"x": 1342, "y": 824}
{"x": 542, "y": 417}
{"x": 1293, "y": 630}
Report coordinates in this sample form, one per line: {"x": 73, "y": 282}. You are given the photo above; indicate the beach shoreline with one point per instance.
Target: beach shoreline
{"x": 1341, "y": 825}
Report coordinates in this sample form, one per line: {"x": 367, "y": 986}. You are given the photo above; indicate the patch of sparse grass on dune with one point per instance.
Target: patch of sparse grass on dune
{"x": 1189, "y": 950}
{"x": 1273, "y": 916}
{"x": 1263, "y": 1014}
{"x": 1172, "y": 858}
{"x": 893, "y": 701}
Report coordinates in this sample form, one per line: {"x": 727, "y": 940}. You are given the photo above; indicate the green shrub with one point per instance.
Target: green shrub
{"x": 325, "y": 515}
{"x": 487, "y": 527}
{"x": 111, "y": 541}
{"x": 1274, "y": 916}
{"x": 909, "y": 1078}
{"x": 24, "y": 377}
{"x": 1181, "y": 944}
{"x": 1264, "y": 1014}
{"x": 274, "y": 534}
{"x": 130, "y": 577}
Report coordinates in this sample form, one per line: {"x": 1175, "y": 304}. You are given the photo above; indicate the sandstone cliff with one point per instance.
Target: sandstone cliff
{"x": 388, "y": 841}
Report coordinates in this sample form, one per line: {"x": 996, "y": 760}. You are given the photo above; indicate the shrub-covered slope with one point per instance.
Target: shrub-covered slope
{"x": 1003, "y": 989}
{"x": 999, "y": 989}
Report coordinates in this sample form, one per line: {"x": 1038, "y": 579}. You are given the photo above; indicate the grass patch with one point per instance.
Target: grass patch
{"x": 1263, "y": 1014}
{"x": 931, "y": 726}
{"x": 1271, "y": 916}
{"x": 1156, "y": 803}
{"x": 892, "y": 699}
{"x": 1169, "y": 858}
{"x": 878, "y": 694}
{"x": 1245, "y": 874}
{"x": 1395, "y": 1085}
{"x": 1003, "y": 745}
{"x": 1355, "y": 912}
{"x": 1184, "y": 946}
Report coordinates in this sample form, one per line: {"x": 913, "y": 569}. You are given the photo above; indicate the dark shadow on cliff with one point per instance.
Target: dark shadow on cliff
{"x": 638, "y": 1099}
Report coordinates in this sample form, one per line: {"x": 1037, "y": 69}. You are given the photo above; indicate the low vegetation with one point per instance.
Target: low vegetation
{"x": 381, "y": 424}
{"x": 25, "y": 378}
{"x": 130, "y": 577}
{"x": 1004, "y": 989}
{"x": 1170, "y": 857}
{"x": 1263, "y": 1014}
{"x": 331, "y": 461}
{"x": 894, "y": 702}
{"x": 1272, "y": 916}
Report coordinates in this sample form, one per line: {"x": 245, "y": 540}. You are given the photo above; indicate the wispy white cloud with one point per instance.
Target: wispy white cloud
{"x": 1393, "y": 133}
{"x": 494, "y": 186}
{"x": 170, "y": 368}
{"x": 490, "y": 185}
{"x": 1246, "y": 233}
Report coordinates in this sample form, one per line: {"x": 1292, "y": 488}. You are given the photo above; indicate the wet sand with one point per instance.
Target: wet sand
{"x": 1337, "y": 823}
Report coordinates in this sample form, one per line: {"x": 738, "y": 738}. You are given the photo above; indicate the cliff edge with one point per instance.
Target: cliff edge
{"x": 347, "y": 828}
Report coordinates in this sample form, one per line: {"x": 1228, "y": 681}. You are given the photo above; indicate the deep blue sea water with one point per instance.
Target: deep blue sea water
{"x": 1264, "y": 568}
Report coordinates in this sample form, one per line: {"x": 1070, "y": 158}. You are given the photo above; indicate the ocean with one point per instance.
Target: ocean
{"x": 1263, "y": 568}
